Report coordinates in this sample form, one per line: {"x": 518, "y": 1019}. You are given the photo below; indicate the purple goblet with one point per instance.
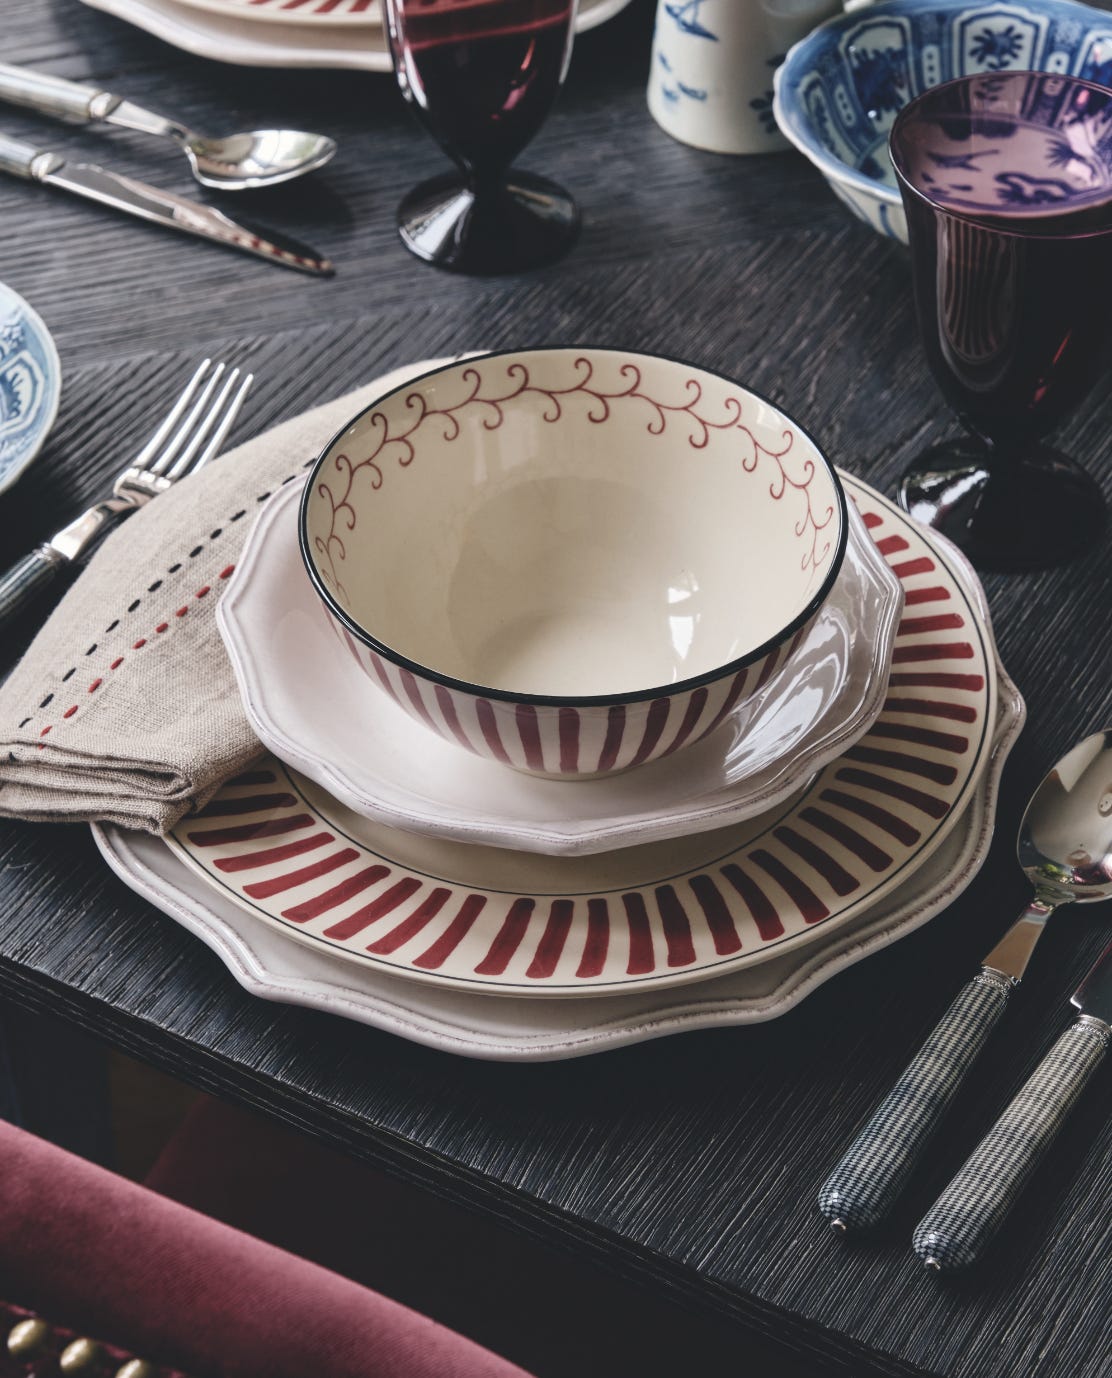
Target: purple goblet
{"x": 482, "y": 76}
{"x": 1006, "y": 179}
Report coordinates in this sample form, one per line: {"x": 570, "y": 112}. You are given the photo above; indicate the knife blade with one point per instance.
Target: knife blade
{"x": 159, "y": 207}
{"x": 1093, "y": 997}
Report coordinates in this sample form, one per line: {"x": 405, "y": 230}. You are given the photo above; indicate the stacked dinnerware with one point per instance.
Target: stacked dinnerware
{"x": 599, "y": 704}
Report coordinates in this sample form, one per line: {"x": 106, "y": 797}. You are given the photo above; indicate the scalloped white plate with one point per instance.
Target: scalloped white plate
{"x": 288, "y": 661}
{"x": 266, "y": 964}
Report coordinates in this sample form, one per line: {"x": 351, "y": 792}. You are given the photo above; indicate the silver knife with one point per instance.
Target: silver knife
{"x": 160, "y": 207}
{"x": 961, "y": 1222}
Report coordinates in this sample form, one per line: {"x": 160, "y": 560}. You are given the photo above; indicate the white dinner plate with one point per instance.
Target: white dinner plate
{"x": 265, "y": 963}
{"x": 271, "y": 42}
{"x": 289, "y": 661}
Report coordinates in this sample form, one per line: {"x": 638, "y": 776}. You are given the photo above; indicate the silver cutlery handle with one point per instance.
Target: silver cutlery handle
{"x": 955, "y": 1230}
{"x": 17, "y": 157}
{"x": 875, "y": 1168}
{"x": 26, "y": 579}
{"x": 48, "y": 95}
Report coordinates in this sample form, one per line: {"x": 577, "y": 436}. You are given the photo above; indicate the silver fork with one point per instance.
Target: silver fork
{"x": 178, "y": 447}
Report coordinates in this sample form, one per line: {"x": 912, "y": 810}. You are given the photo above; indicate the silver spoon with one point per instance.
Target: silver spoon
{"x": 1065, "y": 848}
{"x": 259, "y": 158}
{"x": 236, "y": 162}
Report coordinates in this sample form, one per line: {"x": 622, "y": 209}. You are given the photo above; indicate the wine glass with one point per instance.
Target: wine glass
{"x": 1006, "y": 179}
{"x": 482, "y": 75}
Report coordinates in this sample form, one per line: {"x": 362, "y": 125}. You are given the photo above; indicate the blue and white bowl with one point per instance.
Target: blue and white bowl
{"x": 840, "y": 88}
{"x": 30, "y": 385}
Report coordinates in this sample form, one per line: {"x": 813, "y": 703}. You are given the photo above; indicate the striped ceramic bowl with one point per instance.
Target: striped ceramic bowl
{"x": 572, "y": 561}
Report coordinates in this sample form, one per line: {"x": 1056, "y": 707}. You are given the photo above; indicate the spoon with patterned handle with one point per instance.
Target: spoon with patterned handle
{"x": 1065, "y": 848}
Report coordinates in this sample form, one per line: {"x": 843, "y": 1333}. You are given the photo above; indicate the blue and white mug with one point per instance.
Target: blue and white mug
{"x": 712, "y": 64}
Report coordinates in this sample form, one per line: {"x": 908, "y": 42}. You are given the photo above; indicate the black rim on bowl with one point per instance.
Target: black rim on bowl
{"x": 570, "y": 700}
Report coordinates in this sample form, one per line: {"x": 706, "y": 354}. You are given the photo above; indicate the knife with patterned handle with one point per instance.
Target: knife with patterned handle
{"x": 954, "y": 1232}
{"x": 1071, "y": 807}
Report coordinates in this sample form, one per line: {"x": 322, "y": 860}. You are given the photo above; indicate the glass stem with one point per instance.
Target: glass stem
{"x": 484, "y": 179}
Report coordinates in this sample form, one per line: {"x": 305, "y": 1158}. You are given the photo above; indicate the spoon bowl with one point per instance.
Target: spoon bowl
{"x": 1065, "y": 838}
{"x": 258, "y": 158}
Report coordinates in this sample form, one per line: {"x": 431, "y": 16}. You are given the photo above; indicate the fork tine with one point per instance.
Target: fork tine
{"x": 185, "y": 430}
{"x": 204, "y": 425}
{"x": 153, "y": 445}
{"x": 213, "y": 447}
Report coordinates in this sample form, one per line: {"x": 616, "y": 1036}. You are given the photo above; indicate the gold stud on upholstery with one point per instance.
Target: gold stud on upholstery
{"x": 28, "y": 1338}
{"x": 80, "y": 1356}
{"x": 136, "y": 1368}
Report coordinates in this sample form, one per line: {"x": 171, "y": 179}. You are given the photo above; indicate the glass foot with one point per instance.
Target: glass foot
{"x": 1005, "y": 514}
{"x": 528, "y": 222}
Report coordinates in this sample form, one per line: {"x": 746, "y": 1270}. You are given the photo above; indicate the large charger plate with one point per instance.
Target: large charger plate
{"x": 268, "y": 965}
{"x": 480, "y": 918}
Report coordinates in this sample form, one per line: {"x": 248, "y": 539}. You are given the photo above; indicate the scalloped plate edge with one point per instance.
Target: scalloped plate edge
{"x": 446, "y": 1020}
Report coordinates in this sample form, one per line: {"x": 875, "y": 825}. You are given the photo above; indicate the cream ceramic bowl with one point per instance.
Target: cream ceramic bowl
{"x": 572, "y": 561}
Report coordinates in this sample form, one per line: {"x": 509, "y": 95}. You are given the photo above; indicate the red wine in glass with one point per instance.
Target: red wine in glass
{"x": 482, "y": 75}
{"x": 1007, "y": 184}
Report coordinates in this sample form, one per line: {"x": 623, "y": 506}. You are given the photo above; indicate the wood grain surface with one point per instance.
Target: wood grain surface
{"x": 690, "y": 1164}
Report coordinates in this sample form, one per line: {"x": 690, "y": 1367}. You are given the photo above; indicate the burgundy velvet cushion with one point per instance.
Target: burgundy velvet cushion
{"x": 116, "y": 1261}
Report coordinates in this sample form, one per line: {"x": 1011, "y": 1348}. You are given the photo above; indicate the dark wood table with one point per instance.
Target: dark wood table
{"x": 689, "y": 1164}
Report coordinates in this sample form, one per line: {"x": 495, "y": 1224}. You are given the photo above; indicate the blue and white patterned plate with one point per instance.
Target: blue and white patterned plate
{"x": 30, "y": 385}
{"x": 841, "y": 87}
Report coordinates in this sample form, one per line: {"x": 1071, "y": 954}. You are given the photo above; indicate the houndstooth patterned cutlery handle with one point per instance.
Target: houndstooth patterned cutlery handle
{"x": 861, "y": 1189}
{"x": 961, "y": 1222}
{"x": 22, "y": 584}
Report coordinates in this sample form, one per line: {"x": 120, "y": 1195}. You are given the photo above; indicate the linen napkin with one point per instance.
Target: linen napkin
{"x": 125, "y": 708}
